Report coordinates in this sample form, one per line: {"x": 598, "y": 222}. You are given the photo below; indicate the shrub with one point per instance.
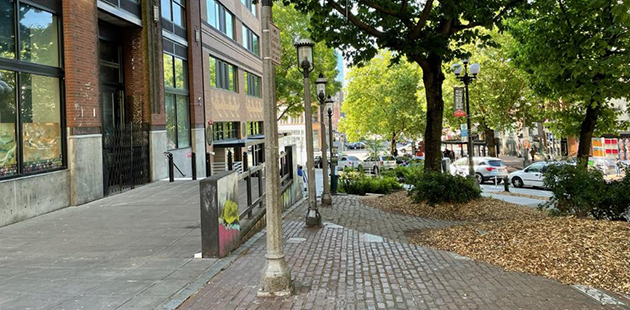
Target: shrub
{"x": 584, "y": 192}
{"x": 435, "y": 187}
{"x": 404, "y": 174}
{"x": 357, "y": 183}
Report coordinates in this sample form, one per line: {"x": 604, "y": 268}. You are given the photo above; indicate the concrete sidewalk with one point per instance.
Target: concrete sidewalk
{"x": 361, "y": 260}
{"x": 128, "y": 251}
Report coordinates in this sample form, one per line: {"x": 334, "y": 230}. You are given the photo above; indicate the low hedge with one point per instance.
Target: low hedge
{"x": 435, "y": 187}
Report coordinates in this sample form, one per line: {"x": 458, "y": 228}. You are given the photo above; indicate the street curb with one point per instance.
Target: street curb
{"x": 221, "y": 264}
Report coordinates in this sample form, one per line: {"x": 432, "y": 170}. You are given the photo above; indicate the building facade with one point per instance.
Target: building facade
{"x": 94, "y": 94}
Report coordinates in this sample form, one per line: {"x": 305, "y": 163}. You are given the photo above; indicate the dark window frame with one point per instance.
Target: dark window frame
{"x": 220, "y": 18}
{"x": 221, "y": 78}
{"x": 253, "y": 84}
{"x": 222, "y": 131}
{"x": 19, "y": 67}
{"x": 248, "y": 40}
{"x": 251, "y": 7}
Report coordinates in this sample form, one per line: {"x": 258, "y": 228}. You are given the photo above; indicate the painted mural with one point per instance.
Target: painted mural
{"x": 42, "y": 146}
{"x": 229, "y": 221}
{"x": 8, "y": 162}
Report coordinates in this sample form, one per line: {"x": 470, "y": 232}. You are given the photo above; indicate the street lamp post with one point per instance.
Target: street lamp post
{"x": 276, "y": 275}
{"x": 467, "y": 79}
{"x": 329, "y": 103}
{"x": 321, "y": 95}
{"x": 305, "y": 64}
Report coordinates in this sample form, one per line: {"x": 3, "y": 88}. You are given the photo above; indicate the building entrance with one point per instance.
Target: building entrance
{"x": 125, "y": 143}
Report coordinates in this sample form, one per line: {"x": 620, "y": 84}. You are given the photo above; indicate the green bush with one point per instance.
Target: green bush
{"x": 404, "y": 174}
{"x": 357, "y": 183}
{"x": 435, "y": 187}
{"x": 584, "y": 192}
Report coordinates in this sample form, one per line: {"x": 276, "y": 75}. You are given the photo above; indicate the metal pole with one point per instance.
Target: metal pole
{"x": 326, "y": 198}
{"x": 313, "y": 218}
{"x": 171, "y": 164}
{"x": 471, "y": 170}
{"x": 276, "y": 277}
{"x": 332, "y": 162}
{"x": 193, "y": 158}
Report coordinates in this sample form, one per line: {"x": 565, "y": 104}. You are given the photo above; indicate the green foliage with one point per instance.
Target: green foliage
{"x": 584, "y": 192}
{"x": 289, "y": 80}
{"x": 434, "y": 187}
{"x": 357, "y": 183}
{"x": 499, "y": 97}
{"x": 574, "y": 52}
{"x": 382, "y": 100}
{"x": 404, "y": 174}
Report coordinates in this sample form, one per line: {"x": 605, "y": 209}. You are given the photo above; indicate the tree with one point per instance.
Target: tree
{"x": 575, "y": 53}
{"x": 429, "y": 33}
{"x": 289, "y": 80}
{"x": 382, "y": 99}
{"x": 500, "y": 98}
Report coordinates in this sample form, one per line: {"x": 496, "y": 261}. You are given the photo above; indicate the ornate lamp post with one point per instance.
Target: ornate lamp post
{"x": 467, "y": 79}
{"x": 321, "y": 95}
{"x": 305, "y": 63}
{"x": 329, "y": 103}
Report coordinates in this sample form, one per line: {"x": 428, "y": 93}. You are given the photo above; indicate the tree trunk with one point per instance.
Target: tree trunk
{"x": 488, "y": 134}
{"x": 392, "y": 146}
{"x": 586, "y": 134}
{"x": 433, "y": 77}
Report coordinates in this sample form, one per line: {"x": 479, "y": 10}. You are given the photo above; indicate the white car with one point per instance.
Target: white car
{"x": 349, "y": 161}
{"x": 376, "y": 164}
{"x": 486, "y": 168}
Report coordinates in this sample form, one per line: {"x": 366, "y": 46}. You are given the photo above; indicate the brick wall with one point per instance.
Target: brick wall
{"x": 135, "y": 67}
{"x": 195, "y": 65}
{"x": 80, "y": 35}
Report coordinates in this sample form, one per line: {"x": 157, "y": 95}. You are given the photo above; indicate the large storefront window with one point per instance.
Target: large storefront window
{"x": 176, "y": 101}
{"x": 31, "y": 132}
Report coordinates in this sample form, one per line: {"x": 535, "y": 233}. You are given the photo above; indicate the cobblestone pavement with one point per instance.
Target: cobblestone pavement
{"x": 346, "y": 265}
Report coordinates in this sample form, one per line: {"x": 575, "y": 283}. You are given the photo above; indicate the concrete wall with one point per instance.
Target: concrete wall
{"x": 30, "y": 196}
{"x": 198, "y": 138}
{"x": 85, "y": 160}
{"x": 157, "y": 147}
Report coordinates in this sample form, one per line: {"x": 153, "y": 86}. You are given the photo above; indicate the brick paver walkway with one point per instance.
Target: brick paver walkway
{"x": 344, "y": 267}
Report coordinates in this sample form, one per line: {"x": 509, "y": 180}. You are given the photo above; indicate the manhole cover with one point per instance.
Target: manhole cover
{"x": 296, "y": 240}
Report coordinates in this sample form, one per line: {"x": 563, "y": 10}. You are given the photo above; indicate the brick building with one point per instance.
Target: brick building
{"x": 95, "y": 93}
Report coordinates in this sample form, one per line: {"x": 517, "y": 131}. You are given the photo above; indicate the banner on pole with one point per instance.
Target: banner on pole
{"x": 458, "y": 102}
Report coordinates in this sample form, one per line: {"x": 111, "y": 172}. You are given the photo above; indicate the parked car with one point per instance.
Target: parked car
{"x": 533, "y": 175}
{"x": 379, "y": 163}
{"x": 356, "y": 146}
{"x": 350, "y": 161}
{"x": 486, "y": 168}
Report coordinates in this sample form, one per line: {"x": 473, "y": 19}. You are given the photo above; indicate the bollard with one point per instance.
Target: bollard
{"x": 208, "y": 167}
{"x": 506, "y": 184}
{"x": 171, "y": 164}
{"x": 193, "y": 157}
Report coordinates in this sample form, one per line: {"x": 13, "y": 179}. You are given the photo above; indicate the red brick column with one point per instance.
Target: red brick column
{"x": 80, "y": 35}
{"x": 195, "y": 65}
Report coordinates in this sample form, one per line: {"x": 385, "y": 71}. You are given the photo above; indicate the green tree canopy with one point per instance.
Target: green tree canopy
{"x": 382, "y": 99}
{"x": 575, "y": 52}
{"x": 289, "y": 81}
{"x": 426, "y": 32}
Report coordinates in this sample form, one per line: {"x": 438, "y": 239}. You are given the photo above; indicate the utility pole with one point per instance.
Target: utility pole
{"x": 276, "y": 278}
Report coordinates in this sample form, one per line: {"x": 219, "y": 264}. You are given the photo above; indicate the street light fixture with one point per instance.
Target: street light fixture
{"x": 304, "y": 48}
{"x": 467, "y": 79}
{"x": 329, "y": 103}
{"x": 321, "y": 95}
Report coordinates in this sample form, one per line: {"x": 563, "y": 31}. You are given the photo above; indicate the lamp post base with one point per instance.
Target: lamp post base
{"x": 313, "y": 218}
{"x": 276, "y": 278}
{"x": 326, "y": 199}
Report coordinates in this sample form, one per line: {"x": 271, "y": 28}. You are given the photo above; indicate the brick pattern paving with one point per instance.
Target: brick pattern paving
{"x": 337, "y": 268}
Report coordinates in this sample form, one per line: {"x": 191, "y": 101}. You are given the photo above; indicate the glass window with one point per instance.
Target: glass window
{"x": 252, "y": 84}
{"x": 40, "y": 113}
{"x": 168, "y": 71}
{"x": 7, "y": 33}
{"x": 166, "y": 9}
{"x": 171, "y": 131}
{"x": 179, "y": 17}
{"x": 38, "y": 36}
{"x": 183, "y": 123}
{"x": 223, "y": 75}
{"x": 220, "y": 18}
{"x": 250, "y": 40}
{"x": 8, "y": 138}
{"x": 249, "y": 4}
{"x": 181, "y": 78}
{"x": 496, "y": 163}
